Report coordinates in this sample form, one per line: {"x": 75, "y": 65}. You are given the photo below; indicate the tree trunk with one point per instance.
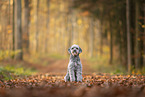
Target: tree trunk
{"x": 9, "y": 14}
{"x": 73, "y": 21}
{"x": 141, "y": 34}
{"x": 0, "y": 32}
{"x": 101, "y": 38}
{"x": 91, "y": 36}
{"x": 136, "y": 36}
{"x": 120, "y": 46}
{"x": 69, "y": 31}
{"x": 128, "y": 36}
{"x": 132, "y": 33}
{"x": 111, "y": 42}
{"x": 26, "y": 26}
{"x": 124, "y": 40}
{"x": 37, "y": 27}
{"x": 47, "y": 27}
{"x": 18, "y": 32}
{"x": 13, "y": 37}
{"x": 144, "y": 37}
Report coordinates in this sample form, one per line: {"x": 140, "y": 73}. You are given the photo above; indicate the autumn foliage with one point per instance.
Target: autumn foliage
{"x": 100, "y": 85}
{"x": 35, "y": 36}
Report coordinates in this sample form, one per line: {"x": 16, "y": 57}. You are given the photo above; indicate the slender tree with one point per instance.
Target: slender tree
{"x": 141, "y": 34}
{"x": 132, "y": 32}
{"x": 47, "y": 26}
{"x": 111, "y": 40}
{"x": 136, "y": 35}
{"x": 144, "y": 38}
{"x": 26, "y": 25}
{"x": 37, "y": 26}
{"x": 128, "y": 35}
{"x": 91, "y": 36}
{"x": 101, "y": 36}
{"x": 18, "y": 31}
{"x": 13, "y": 36}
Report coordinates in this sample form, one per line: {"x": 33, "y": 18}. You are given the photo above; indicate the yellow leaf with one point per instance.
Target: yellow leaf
{"x": 79, "y": 21}
{"x": 9, "y": 31}
{"x": 143, "y": 26}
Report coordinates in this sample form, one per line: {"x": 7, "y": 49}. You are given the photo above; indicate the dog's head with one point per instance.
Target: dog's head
{"x": 75, "y": 50}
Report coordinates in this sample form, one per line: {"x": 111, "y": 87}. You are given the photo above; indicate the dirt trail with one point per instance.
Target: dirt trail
{"x": 59, "y": 66}
{"x": 49, "y": 65}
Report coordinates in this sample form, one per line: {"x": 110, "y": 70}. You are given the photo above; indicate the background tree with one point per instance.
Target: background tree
{"x": 26, "y": 25}
{"x": 100, "y": 27}
{"x": 18, "y": 30}
{"x": 128, "y": 35}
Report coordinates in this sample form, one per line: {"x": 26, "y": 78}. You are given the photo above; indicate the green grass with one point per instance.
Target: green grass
{"x": 44, "y": 59}
{"x": 9, "y": 72}
{"x": 101, "y": 64}
{"x": 7, "y": 54}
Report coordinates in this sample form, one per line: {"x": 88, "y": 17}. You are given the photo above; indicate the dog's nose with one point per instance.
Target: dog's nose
{"x": 74, "y": 50}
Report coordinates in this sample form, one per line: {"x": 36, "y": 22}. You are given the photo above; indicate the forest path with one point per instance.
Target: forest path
{"x": 48, "y": 65}
{"x": 58, "y": 66}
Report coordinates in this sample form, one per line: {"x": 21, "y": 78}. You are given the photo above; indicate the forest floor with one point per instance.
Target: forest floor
{"x": 48, "y": 81}
{"x": 48, "y": 65}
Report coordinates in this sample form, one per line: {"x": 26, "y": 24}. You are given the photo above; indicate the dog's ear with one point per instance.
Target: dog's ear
{"x": 69, "y": 50}
{"x": 80, "y": 50}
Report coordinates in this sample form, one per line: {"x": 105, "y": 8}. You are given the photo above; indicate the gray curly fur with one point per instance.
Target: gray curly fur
{"x": 74, "y": 70}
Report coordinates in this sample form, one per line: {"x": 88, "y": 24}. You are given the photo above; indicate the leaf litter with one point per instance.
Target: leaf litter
{"x": 93, "y": 85}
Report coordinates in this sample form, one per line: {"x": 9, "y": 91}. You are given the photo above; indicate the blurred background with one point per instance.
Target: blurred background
{"x": 36, "y": 34}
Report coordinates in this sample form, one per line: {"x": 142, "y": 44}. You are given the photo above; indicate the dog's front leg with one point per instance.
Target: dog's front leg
{"x": 67, "y": 78}
{"x": 79, "y": 73}
{"x": 71, "y": 71}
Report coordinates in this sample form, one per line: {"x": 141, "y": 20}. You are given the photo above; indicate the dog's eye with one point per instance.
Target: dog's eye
{"x": 72, "y": 48}
{"x": 77, "y": 48}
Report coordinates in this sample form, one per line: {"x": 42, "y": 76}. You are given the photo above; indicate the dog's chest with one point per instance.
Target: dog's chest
{"x": 74, "y": 59}
{"x": 75, "y": 62}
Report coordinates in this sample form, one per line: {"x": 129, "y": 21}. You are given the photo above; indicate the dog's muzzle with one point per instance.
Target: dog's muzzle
{"x": 75, "y": 52}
